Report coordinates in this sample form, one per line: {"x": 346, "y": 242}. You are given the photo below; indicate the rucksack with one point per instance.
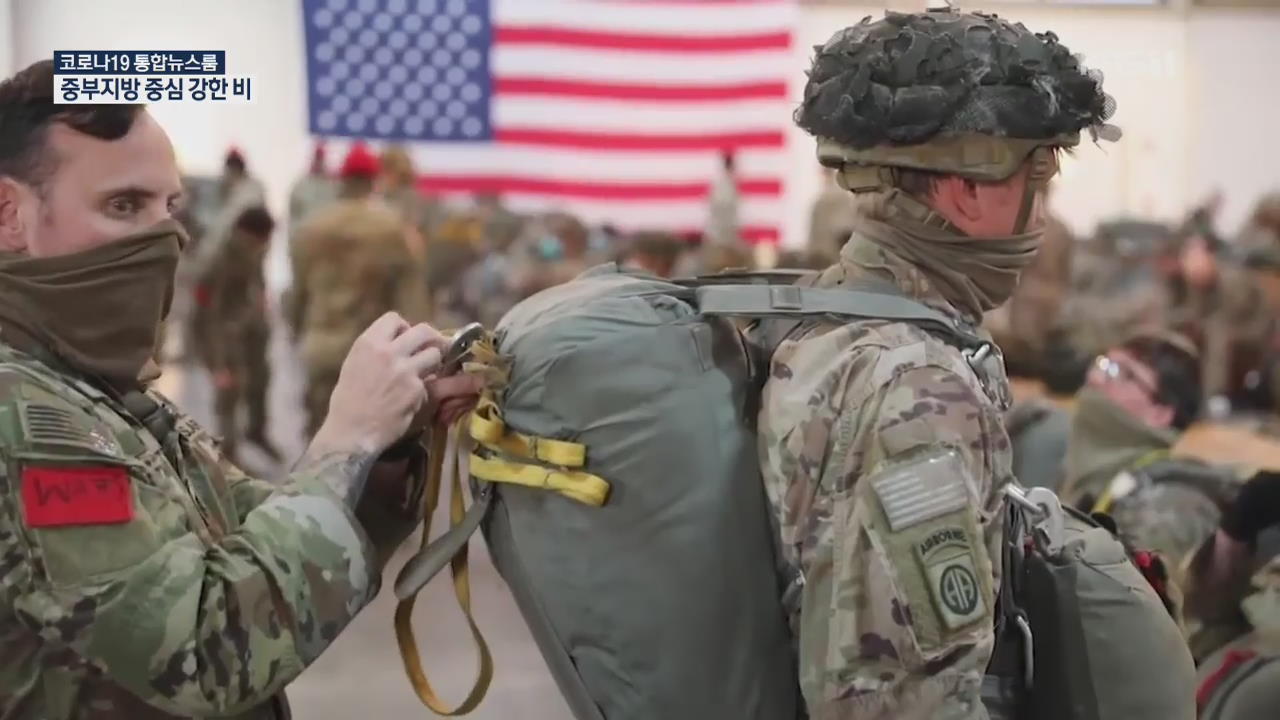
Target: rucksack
{"x": 1080, "y": 632}
{"x": 616, "y": 481}
{"x": 624, "y": 504}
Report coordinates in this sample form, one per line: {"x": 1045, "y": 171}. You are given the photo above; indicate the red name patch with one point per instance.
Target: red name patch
{"x": 52, "y": 497}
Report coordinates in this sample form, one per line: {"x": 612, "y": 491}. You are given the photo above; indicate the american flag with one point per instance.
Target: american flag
{"x": 615, "y": 111}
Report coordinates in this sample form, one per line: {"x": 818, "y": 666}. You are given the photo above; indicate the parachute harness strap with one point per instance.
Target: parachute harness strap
{"x": 504, "y": 455}
{"x": 444, "y": 460}
{"x": 446, "y": 465}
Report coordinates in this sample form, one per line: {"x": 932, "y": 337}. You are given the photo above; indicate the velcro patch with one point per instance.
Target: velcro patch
{"x": 922, "y": 490}
{"x": 61, "y": 496}
{"x": 952, "y": 577}
{"x": 929, "y": 533}
{"x": 56, "y": 425}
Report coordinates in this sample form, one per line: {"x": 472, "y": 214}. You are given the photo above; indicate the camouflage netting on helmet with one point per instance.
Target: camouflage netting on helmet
{"x": 906, "y": 78}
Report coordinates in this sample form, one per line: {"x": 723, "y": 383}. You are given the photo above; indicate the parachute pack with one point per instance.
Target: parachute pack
{"x": 616, "y": 480}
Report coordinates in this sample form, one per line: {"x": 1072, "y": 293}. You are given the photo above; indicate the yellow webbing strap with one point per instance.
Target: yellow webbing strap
{"x": 491, "y": 432}
{"x": 1107, "y": 498}
{"x": 575, "y": 485}
{"x": 443, "y": 454}
{"x": 488, "y": 429}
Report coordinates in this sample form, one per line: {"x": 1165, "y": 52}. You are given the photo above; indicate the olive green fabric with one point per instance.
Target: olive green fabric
{"x": 1105, "y": 441}
{"x": 113, "y": 335}
{"x": 1105, "y": 647}
{"x": 665, "y": 602}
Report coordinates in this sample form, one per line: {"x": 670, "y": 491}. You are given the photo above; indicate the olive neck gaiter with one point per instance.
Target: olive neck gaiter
{"x": 975, "y": 274}
{"x": 1107, "y": 440}
{"x": 99, "y": 310}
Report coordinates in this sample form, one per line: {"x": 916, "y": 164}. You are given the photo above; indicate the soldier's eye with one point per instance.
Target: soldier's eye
{"x": 123, "y": 206}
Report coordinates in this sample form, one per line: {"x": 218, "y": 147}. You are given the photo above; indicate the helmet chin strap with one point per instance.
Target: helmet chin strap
{"x": 1044, "y": 165}
{"x": 1024, "y": 212}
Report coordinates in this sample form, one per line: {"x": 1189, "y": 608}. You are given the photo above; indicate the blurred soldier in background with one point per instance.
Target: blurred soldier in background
{"x": 312, "y": 191}
{"x": 1263, "y": 229}
{"x": 1139, "y": 399}
{"x": 722, "y": 201}
{"x": 832, "y": 219}
{"x": 1024, "y": 326}
{"x": 1213, "y": 300}
{"x": 398, "y": 185}
{"x": 351, "y": 264}
{"x": 1140, "y": 395}
{"x": 1117, "y": 291}
{"x": 236, "y": 192}
{"x": 653, "y": 252}
{"x": 1233, "y": 602}
{"x": 557, "y": 247}
{"x": 240, "y": 330}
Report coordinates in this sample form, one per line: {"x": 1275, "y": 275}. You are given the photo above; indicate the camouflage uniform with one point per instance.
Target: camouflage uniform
{"x": 237, "y": 296}
{"x": 235, "y": 195}
{"x": 216, "y": 591}
{"x": 1232, "y": 334}
{"x": 843, "y": 407}
{"x": 882, "y": 446}
{"x": 312, "y": 192}
{"x": 351, "y": 265}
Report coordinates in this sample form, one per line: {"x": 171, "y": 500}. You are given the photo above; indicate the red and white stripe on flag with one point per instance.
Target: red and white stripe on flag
{"x": 618, "y": 112}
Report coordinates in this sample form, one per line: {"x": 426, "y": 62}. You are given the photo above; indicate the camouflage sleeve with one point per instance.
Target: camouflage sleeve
{"x": 195, "y": 626}
{"x": 388, "y": 511}
{"x": 901, "y": 625}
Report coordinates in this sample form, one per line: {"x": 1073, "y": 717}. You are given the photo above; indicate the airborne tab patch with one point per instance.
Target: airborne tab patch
{"x": 947, "y": 558}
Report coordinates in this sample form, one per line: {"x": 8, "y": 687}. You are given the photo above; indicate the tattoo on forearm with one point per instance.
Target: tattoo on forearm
{"x": 346, "y": 473}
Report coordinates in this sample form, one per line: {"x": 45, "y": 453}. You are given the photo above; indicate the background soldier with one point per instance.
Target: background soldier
{"x": 877, "y": 435}
{"x": 723, "y": 200}
{"x": 312, "y": 191}
{"x": 352, "y": 264}
{"x": 1234, "y": 603}
{"x": 241, "y": 331}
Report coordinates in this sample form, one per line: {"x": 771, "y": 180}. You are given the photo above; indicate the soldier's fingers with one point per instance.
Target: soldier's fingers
{"x": 461, "y": 387}
{"x": 425, "y": 361}
{"x": 417, "y": 339}
{"x": 449, "y": 412}
{"x": 387, "y": 327}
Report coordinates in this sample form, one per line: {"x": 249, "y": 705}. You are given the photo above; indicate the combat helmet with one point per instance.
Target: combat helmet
{"x": 943, "y": 91}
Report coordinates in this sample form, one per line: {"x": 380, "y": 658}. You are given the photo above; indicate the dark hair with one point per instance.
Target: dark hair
{"x": 256, "y": 221}
{"x": 234, "y": 161}
{"x": 27, "y": 111}
{"x": 1177, "y": 375}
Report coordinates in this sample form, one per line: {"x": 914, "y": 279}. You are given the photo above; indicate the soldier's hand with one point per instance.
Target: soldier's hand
{"x": 380, "y": 387}
{"x": 454, "y": 396}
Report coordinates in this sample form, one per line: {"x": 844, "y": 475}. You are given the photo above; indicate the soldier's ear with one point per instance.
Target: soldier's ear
{"x": 13, "y": 224}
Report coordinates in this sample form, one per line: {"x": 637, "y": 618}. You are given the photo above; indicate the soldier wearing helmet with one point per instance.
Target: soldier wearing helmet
{"x": 883, "y": 447}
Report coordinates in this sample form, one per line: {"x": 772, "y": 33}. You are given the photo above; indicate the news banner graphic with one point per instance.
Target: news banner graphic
{"x": 615, "y": 111}
{"x": 145, "y": 76}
